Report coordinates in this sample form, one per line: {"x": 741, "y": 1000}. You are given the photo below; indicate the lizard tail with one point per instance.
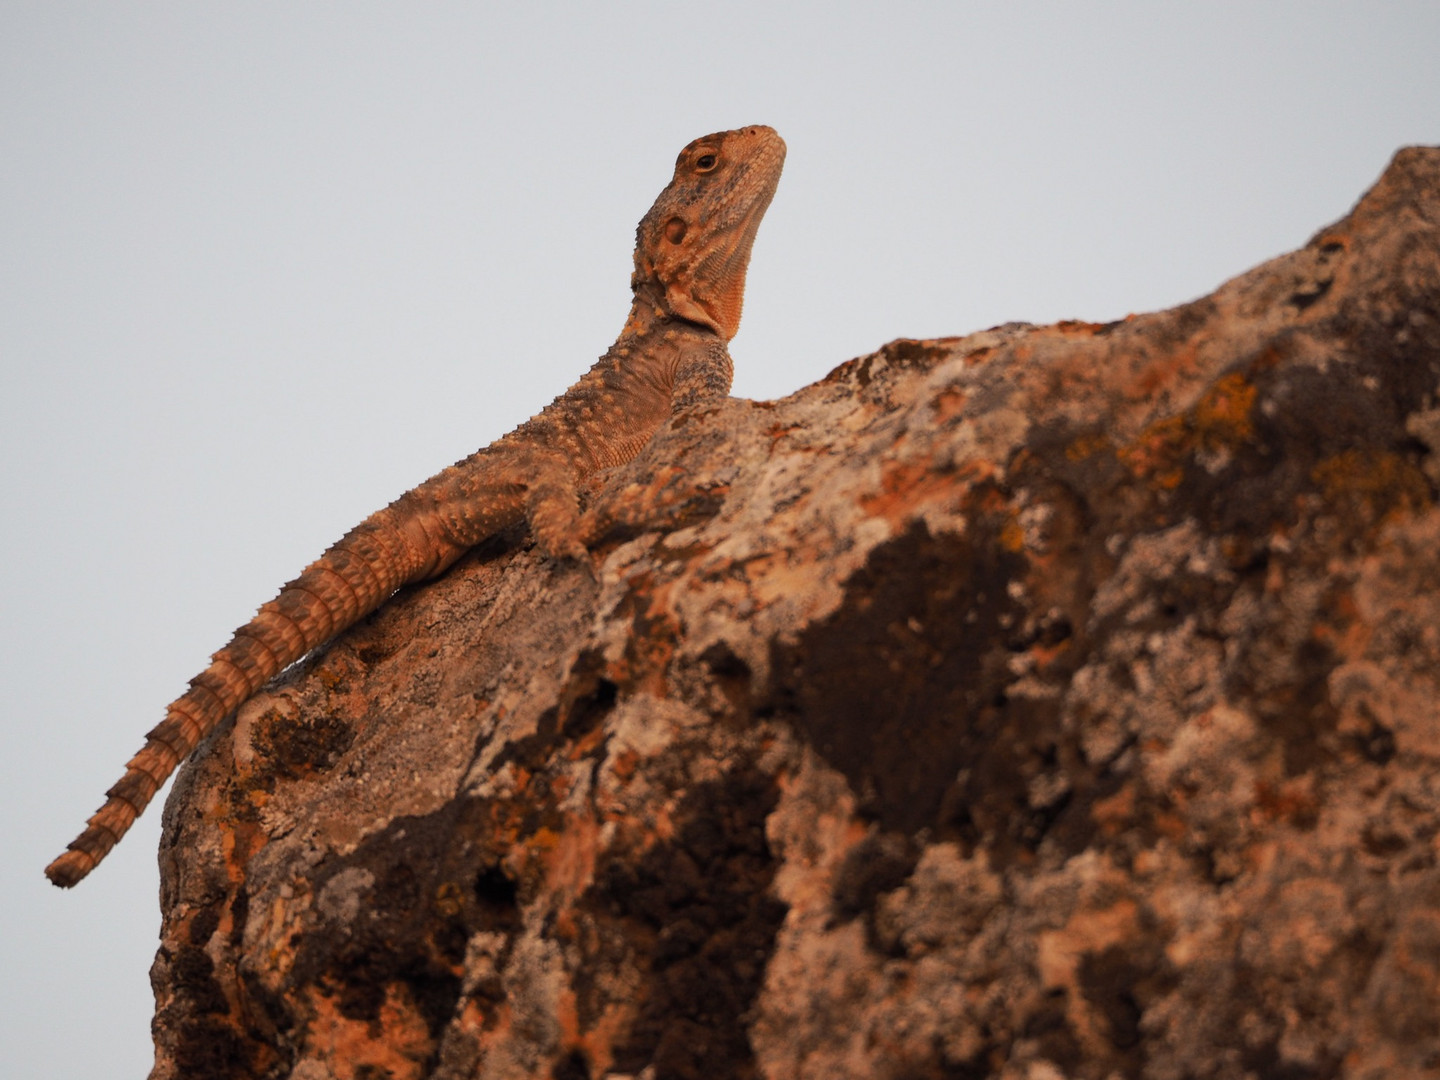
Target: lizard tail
{"x": 352, "y": 579}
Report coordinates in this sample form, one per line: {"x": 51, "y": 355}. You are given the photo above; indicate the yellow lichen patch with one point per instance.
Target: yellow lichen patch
{"x": 1378, "y": 483}
{"x": 1012, "y": 535}
{"x": 1222, "y": 417}
{"x": 330, "y": 678}
{"x": 1219, "y": 422}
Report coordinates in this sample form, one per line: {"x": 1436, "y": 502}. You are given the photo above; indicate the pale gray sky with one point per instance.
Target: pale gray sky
{"x": 264, "y": 266}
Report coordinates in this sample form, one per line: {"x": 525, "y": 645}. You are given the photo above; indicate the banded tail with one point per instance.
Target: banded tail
{"x": 353, "y": 578}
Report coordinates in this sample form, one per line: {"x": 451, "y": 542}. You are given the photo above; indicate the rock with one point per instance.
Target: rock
{"x": 1048, "y": 702}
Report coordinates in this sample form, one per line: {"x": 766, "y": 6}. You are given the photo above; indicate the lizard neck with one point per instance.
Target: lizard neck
{"x": 650, "y": 314}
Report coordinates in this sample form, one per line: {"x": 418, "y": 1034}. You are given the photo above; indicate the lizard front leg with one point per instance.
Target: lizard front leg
{"x": 703, "y": 373}
{"x": 702, "y": 376}
{"x": 552, "y": 506}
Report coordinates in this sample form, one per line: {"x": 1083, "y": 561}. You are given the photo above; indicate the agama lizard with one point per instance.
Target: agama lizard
{"x": 691, "y": 253}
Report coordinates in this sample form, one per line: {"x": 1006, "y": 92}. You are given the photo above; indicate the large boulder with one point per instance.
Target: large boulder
{"x": 1047, "y": 702}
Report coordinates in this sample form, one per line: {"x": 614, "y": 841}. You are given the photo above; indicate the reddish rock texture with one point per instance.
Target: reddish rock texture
{"x": 1049, "y": 702}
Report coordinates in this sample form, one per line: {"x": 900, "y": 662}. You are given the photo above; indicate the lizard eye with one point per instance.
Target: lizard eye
{"x": 675, "y": 230}
{"x": 706, "y": 163}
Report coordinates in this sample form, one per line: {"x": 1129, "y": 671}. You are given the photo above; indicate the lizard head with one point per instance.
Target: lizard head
{"x": 693, "y": 247}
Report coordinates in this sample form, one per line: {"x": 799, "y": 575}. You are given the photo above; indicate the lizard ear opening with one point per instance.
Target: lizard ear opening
{"x": 675, "y": 230}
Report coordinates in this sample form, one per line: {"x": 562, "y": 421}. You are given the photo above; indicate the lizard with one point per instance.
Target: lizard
{"x": 692, "y": 251}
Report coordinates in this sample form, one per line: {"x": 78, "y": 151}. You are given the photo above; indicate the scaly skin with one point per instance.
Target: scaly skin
{"x": 691, "y": 253}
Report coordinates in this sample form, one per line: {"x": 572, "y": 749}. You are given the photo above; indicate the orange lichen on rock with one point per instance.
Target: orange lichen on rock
{"x": 1374, "y": 483}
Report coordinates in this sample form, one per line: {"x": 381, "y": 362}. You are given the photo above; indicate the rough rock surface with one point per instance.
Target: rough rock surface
{"x": 1048, "y": 702}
